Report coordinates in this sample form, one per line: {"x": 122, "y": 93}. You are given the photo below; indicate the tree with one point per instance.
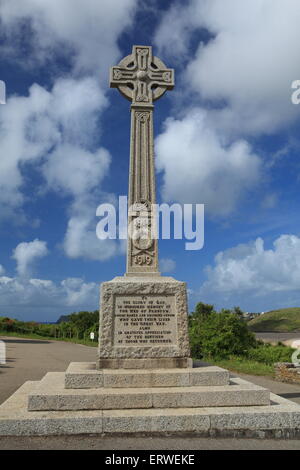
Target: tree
{"x": 238, "y": 311}
{"x": 82, "y": 322}
{"x": 204, "y": 309}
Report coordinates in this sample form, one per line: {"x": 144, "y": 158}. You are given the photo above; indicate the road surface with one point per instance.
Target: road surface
{"x": 31, "y": 359}
{"x": 286, "y": 338}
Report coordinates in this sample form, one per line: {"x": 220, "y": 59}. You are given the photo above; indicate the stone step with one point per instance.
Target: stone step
{"x": 50, "y": 394}
{"x": 85, "y": 375}
{"x": 281, "y": 419}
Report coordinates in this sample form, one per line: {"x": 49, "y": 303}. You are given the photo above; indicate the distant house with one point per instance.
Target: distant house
{"x": 250, "y": 315}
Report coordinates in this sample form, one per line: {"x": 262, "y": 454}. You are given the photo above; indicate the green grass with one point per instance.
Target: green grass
{"x": 86, "y": 342}
{"x": 243, "y": 365}
{"x": 285, "y": 320}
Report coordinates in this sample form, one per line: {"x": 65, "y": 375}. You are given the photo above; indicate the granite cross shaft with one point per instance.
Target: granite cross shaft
{"x": 141, "y": 78}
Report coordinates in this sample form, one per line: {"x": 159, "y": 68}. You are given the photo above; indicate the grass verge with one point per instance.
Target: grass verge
{"x": 85, "y": 342}
{"x": 243, "y": 365}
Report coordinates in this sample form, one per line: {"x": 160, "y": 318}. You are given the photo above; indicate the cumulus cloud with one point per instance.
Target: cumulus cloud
{"x": 27, "y": 253}
{"x": 80, "y": 175}
{"x": 167, "y": 265}
{"x": 85, "y": 31}
{"x": 240, "y": 71}
{"x": 238, "y": 64}
{"x": 31, "y": 298}
{"x": 42, "y": 125}
{"x": 199, "y": 167}
{"x": 81, "y": 240}
{"x": 251, "y": 268}
{"x": 56, "y": 130}
{"x": 74, "y": 170}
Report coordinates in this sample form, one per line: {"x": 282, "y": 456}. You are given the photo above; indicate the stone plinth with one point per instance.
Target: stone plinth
{"x": 85, "y": 375}
{"x": 143, "y": 324}
{"x": 51, "y": 394}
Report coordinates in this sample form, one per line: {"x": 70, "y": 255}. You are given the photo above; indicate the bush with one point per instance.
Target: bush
{"x": 269, "y": 354}
{"x": 219, "y": 335}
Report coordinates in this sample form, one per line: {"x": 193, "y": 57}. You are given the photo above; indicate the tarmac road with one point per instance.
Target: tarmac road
{"x": 31, "y": 359}
{"x": 274, "y": 338}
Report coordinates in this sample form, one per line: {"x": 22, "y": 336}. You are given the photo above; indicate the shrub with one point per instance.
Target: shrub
{"x": 269, "y": 354}
{"x": 219, "y": 335}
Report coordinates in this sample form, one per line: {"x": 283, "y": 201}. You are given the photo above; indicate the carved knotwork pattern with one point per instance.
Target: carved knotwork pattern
{"x": 117, "y": 74}
{"x": 143, "y": 117}
{"x": 143, "y": 249}
{"x": 142, "y": 77}
{"x": 142, "y": 52}
{"x": 142, "y": 98}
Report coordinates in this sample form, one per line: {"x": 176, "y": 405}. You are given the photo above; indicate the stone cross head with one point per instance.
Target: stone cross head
{"x": 141, "y": 77}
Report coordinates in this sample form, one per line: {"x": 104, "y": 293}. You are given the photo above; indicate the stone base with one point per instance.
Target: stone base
{"x": 279, "y": 420}
{"x": 85, "y": 375}
{"x": 174, "y": 401}
{"x": 145, "y": 363}
{"x": 51, "y": 394}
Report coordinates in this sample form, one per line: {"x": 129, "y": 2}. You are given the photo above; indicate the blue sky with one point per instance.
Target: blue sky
{"x": 227, "y": 136}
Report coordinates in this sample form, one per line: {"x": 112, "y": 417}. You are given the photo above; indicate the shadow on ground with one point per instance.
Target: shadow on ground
{"x": 290, "y": 395}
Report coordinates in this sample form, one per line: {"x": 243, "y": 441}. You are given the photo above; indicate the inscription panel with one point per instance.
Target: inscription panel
{"x": 144, "y": 320}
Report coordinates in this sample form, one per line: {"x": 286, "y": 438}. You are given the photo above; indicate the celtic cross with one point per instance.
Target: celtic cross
{"x": 141, "y": 78}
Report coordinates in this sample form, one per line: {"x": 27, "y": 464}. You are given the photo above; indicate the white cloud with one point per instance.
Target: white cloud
{"x": 250, "y": 63}
{"x": 245, "y": 88}
{"x": 76, "y": 171}
{"x": 81, "y": 240}
{"x": 75, "y": 105}
{"x": 80, "y": 175}
{"x": 79, "y": 292}
{"x": 200, "y": 167}
{"x": 85, "y": 31}
{"x": 43, "y": 124}
{"x": 167, "y": 265}
{"x": 242, "y": 75}
{"x": 39, "y": 299}
{"x": 26, "y": 254}
{"x": 56, "y": 129}
{"x": 250, "y": 269}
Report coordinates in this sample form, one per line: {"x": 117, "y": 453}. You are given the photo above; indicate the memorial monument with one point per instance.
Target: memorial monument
{"x": 143, "y": 380}
{"x": 143, "y": 316}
